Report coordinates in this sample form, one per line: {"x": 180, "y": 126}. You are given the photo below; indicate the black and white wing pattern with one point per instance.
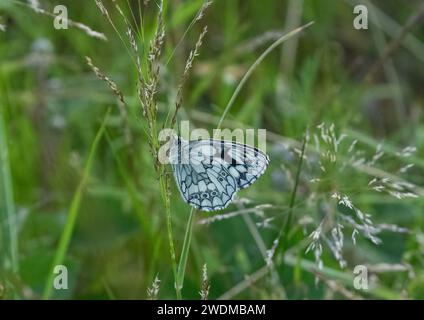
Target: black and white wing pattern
{"x": 209, "y": 172}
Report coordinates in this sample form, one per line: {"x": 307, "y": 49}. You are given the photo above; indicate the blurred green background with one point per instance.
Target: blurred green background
{"x": 52, "y": 106}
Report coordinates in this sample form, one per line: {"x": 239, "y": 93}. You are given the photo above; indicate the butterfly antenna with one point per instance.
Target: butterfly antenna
{"x": 178, "y": 129}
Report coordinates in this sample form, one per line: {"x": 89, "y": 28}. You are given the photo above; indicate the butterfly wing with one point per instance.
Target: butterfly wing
{"x": 208, "y": 187}
{"x": 216, "y": 170}
{"x": 247, "y": 163}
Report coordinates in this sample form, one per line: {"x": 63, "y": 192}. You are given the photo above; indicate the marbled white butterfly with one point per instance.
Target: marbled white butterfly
{"x": 209, "y": 172}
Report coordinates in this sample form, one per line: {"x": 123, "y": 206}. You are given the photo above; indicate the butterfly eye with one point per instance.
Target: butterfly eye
{"x": 204, "y": 195}
{"x": 214, "y": 193}
{"x": 222, "y": 173}
{"x": 221, "y": 179}
{"x": 196, "y": 196}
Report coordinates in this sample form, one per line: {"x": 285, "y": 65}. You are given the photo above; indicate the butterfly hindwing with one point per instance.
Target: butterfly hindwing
{"x": 208, "y": 188}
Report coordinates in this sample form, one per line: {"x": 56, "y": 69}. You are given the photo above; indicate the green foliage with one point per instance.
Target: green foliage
{"x": 75, "y": 191}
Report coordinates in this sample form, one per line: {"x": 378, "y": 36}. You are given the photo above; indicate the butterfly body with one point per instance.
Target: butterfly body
{"x": 209, "y": 172}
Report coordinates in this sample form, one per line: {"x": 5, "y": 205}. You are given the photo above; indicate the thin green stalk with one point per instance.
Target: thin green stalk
{"x": 286, "y": 226}
{"x": 296, "y": 184}
{"x": 8, "y": 213}
{"x": 255, "y": 64}
{"x": 184, "y": 252}
{"x": 132, "y": 190}
{"x": 73, "y": 211}
{"x": 164, "y": 183}
{"x": 193, "y": 21}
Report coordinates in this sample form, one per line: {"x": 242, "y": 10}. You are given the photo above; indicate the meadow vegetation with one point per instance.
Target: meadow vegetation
{"x": 81, "y": 186}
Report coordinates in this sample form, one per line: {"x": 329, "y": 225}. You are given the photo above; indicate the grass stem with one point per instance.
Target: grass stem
{"x": 282, "y": 243}
{"x": 73, "y": 211}
{"x": 8, "y": 213}
{"x": 255, "y": 64}
{"x": 164, "y": 184}
{"x": 184, "y": 252}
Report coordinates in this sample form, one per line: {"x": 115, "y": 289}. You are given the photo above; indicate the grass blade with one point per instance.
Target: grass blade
{"x": 7, "y": 207}
{"x": 282, "y": 238}
{"x": 73, "y": 211}
{"x": 184, "y": 252}
{"x": 255, "y": 64}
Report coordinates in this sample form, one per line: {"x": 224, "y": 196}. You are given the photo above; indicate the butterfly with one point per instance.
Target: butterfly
{"x": 210, "y": 172}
